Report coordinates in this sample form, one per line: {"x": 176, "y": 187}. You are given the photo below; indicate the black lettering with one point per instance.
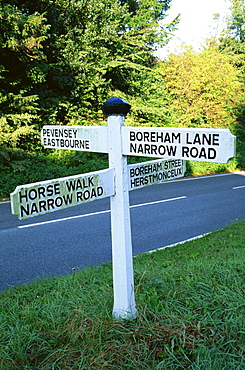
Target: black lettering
{"x": 90, "y": 181}
{"x": 147, "y": 149}
{"x": 56, "y": 188}
{"x": 140, "y": 149}
{"x": 33, "y": 194}
{"x": 67, "y": 198}
{"x": 203, "y": 153}
{"x": 176, "y": 137}
{"x": 159, "y": 137}
{"x": 147, "y": 136}
{"x": 25, "y": 196}
{"x": 26, "y": 210}
{"x": 171, "y": 150}
{"x": 79, "y": 196}
{"x": 70, "y": 185}
{"x": 86, "y": 194}
{"x": 185, "y": 151}
{"x": 132, "y": 148}
{"x": 153, "y": 149}
{"x": 100, "y": 191}
{"x": 42, "y": 205}
{"x": 206, "y": 139}
{"x": 215, "y": 139}
{"x": 50, "y": 190}
{"x": 139, "y": 136}
{"x": 131, "y": 172}
{"x": 50, "y": 203}
{"x": 131, "y": 136}
{"x": 34, "y": 208}
{"x": 187, "y": 139}
{"x": 167, "y": 138}
{"x": 93, "y": 193}
{"x": 211, "y": 153}
{"x": 58, "y": 201}
{"x": 197, "y": 139}
{"x": 194, "y": 152}
{"x": 151, "y": 136}
{"x": 79, "y": 184}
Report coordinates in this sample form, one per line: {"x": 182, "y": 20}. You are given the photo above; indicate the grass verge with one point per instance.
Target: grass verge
{"x": 191, "y": 313}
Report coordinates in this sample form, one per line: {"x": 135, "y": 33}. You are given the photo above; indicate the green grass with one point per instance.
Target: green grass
{"x": 191, "y": 313}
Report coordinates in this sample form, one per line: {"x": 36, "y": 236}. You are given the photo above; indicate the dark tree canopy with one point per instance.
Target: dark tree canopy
{"x": 60, "y": 59}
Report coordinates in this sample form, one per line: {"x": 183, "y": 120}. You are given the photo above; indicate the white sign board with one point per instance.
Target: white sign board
{"x": 205, "y": 145}
{"x": 154, "y": 172}
{"x": 82, "y": 138}
{"x": 52, "y": 195}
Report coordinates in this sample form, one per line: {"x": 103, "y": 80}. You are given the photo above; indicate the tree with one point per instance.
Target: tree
{"x": 205, "y": 87}
{"x": 61, "y": 59}
{"x": 232, "y": 43}
{"x": 235, "y": 27}
{"x": 20, "y": 58}
{"x": 232, "y": 40}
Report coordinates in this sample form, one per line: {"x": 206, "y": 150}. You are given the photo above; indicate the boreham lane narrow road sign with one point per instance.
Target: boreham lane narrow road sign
{"x": 204, "y": 144}
{"x": 52, "y": 195}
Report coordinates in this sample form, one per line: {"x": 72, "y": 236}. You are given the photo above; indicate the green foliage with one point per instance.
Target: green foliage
{"x": 191, "y": 310}
{"x": 235, "y": 27}
{"x": 20, "y": 53}
{"x": 59, "y": 60}
{"x": 205, "y": 88}
{"x": 232, "y": 43}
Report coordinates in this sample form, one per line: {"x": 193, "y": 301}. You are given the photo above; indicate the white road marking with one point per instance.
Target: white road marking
{"x": 158, "y": 201}
{"x": 238, "y": 187}
{"x": 97, "y": 213}
{"x": 63, "y": 219}
{"x": 182, "y": 242}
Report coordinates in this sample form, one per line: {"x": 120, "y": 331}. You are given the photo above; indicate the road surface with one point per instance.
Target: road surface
{"x": 57, "y": 243}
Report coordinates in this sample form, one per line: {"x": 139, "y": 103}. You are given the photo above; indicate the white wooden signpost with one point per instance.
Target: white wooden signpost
{"x": 173, "y": 145}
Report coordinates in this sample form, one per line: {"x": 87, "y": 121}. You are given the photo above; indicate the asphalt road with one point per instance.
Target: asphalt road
{"x": 54, "y": 244}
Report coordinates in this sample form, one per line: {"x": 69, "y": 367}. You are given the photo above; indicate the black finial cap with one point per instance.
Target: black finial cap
{"x": 116, "y": 106}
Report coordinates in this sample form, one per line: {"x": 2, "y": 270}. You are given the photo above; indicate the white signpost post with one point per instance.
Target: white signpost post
{"x": 173, "y": 145}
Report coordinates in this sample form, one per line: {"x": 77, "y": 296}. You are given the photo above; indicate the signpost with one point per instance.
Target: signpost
{"x": 52, "y": 195}
{"x": 173, "y": 145}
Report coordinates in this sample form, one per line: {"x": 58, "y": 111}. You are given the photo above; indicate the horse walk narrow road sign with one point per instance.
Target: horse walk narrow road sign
{"x": 52, "y": 195}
